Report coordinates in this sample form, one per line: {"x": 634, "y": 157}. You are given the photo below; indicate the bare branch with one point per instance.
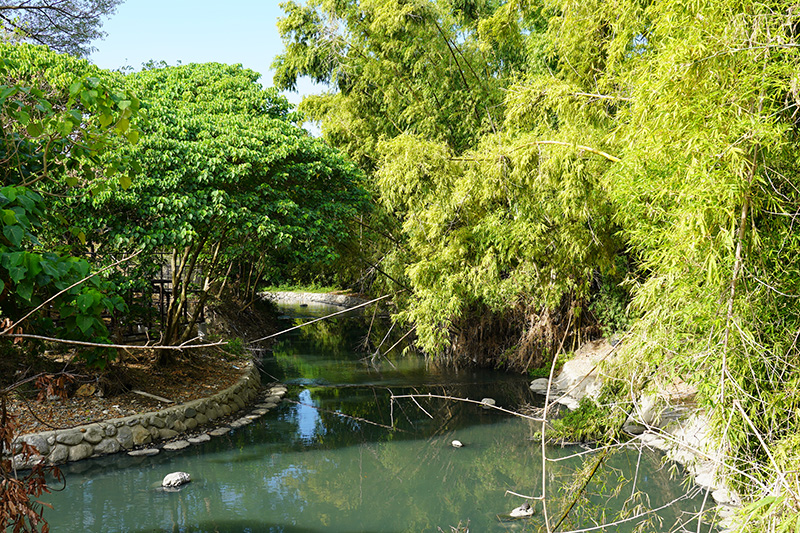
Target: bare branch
{"x": 121, "y": 346}
{"x": 59, "y": 293}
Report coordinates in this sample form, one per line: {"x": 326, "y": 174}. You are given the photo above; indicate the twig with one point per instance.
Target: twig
{"x": 422, "y": 408}
{"x": 544, "y": 425}
{"x": 523, "y": 495}
{"x": 778, "y": 471}
{"x": 604, "y": 96}
{"x": 392, "y": 347}
{"x": 685, "y": 496}
{"x": 595, "y": 367}
{"x": 121, "y": 346}
{"x": 467, "y": 400}
{"x": 153, "y": 396}
{"x": 337, "y": 413}
{"x": 581, "y": 147}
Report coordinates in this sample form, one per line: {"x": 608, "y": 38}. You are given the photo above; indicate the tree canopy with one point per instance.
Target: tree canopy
{"x": 227, "y": 177}
{"x": 67, "y": 26}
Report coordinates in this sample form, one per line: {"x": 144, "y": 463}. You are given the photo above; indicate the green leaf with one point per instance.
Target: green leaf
{"x": 23, "y": 117}
{"x": 7, "y": 91}
{"x": 25, "y": 290}
{"x": 9, "y": 217}
{"x": 85, "y": 301}
{"x": 75, "y": 88}
{"x": 85, "y": 322}
{"x": 105, "y": 120}
{"x": 49, "y": 268}
{"x": 65, "y": 127}
{"x": 758, "y": 504}
{"x": 32, "y": 261}
{"x": 34, "y": 129}
{"x": 14, "y": 234}
{"x": 125, "y": 181}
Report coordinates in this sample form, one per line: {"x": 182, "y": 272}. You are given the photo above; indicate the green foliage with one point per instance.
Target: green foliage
{"x": 400, "y": 67}
{"x": 293, "y": 287}
{"x": 28, "y": 276}
{"x": 589, "y": 422}
{"x": 610, "y": 299}
{"x": 235, "y": 347}
{"x": 475, "y": 213}
{"x": 59, "y": 117}
{"x": 663, "y": 131}
{"x": 227, "y": 179}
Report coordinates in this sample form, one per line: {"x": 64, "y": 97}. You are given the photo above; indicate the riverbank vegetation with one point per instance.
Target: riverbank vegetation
{"x": 523, "y": 175}
{"x": 545, "y": 169}
{"x": 135, "y": 205}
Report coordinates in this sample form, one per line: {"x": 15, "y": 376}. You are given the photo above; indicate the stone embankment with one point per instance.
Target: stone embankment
{"x": 131, "y": 432}
{"x": 301, "y": 298}
{"x": 666, "y": 419}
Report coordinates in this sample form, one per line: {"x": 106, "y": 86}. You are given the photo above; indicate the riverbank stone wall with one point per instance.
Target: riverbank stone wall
{"x": 135, "y": 431}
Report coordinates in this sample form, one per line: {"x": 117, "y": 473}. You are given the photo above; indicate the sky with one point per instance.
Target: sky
{"x": 195, "y": 31}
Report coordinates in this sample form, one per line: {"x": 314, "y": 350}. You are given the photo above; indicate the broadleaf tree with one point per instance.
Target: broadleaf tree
{"x": 228, "y": 180}
{"x": 59, "y": 117}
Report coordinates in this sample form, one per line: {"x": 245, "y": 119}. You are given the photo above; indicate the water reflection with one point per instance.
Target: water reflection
{"x": 320, "y": 462}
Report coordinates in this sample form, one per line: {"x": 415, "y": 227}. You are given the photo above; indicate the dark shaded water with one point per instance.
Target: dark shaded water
{"x": 306, "y": 468}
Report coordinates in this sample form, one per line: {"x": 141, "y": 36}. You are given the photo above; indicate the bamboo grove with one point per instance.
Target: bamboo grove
{"x": 551, "y": 168}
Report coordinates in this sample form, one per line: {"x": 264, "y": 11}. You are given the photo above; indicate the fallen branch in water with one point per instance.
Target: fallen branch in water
{"x": 393, "y": 397}
{"x": 337, "y": 413}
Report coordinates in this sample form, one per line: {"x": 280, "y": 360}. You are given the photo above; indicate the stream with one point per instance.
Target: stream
{"x": 328, "y": 460}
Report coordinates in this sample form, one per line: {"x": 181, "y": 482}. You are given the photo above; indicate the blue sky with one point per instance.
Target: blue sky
{"x": 195, "y": 31}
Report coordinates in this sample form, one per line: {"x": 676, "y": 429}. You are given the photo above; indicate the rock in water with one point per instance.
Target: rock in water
{"x": 457, "y": 444}
{"x": 176, "y": 479}
{"x": 488, "y": 403}
{"x": 523, "y": 511}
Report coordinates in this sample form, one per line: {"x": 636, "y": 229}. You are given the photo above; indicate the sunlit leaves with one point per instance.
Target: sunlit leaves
{"x": 226, "y": 177}
{"x": 91, "y": 114}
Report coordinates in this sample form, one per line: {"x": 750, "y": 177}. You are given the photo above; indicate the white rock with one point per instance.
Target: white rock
{"x": 457, "y": 444}
{"x": 541, "y": 385}
{"x": 488, "y": 403}
{"x": 523, "y": 511}
{"x": 569, "y": 402}
{"x": 176, "y": 479}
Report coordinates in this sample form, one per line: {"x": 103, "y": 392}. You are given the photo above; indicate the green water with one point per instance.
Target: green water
{"x": 304, "y": 468}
